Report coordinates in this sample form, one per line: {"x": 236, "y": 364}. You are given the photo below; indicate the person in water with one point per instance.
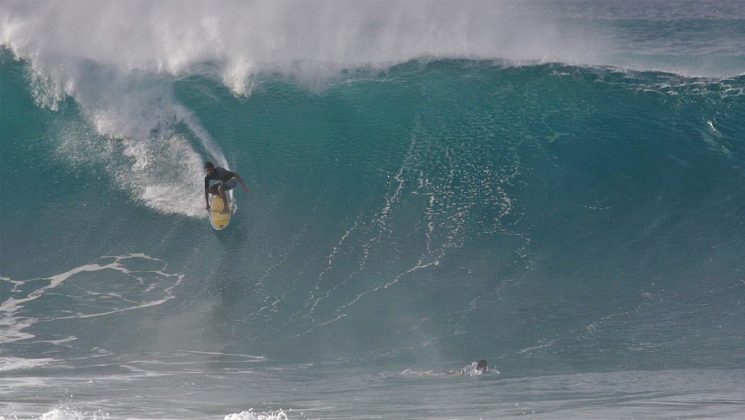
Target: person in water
{"x": 226, "y": 182}
{"x": 474, "y": 369}
{"x": 481, "y": 366}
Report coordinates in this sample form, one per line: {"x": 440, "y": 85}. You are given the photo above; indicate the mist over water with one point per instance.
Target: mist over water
{"x": 296, "y": 38}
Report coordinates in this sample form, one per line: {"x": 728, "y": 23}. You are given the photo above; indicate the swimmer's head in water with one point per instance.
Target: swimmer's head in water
{"x": 481, "y": 365}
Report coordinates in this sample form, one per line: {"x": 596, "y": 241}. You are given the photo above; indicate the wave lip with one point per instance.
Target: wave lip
{"x": 248, "y": 38}
{"x": 312, "y": 41}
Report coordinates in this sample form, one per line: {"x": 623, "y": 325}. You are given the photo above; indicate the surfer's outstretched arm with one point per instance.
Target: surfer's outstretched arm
{"x": 243, "y": 185}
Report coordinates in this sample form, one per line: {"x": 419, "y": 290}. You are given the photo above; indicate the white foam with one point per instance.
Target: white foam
{"x": 18, "y": 363}
{"x": 251, "y": 415}
{"x": 70, "y": 414}
{"x": 66, "y": 414}
{"x": 416, "y": 373}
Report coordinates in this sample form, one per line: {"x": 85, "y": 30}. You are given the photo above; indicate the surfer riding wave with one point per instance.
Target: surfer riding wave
{"x": 226, "y": 181}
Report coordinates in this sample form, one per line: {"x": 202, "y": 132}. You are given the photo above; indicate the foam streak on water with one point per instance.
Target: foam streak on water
{"x": 145, "y": 288}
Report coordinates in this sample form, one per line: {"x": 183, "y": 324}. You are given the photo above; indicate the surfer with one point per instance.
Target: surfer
{"x": 226, "y": 182}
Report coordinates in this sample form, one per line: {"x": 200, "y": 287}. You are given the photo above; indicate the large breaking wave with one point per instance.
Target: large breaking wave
{"x": 428, "y": 180}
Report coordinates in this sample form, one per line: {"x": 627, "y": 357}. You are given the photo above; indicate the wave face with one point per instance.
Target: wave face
{"x": 429, "y": 183}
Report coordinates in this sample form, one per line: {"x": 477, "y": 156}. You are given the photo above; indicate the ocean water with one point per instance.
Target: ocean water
{"x": 555, "y": 187}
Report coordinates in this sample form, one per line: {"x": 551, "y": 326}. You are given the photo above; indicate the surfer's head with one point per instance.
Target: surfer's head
{"x": 481, "y": 365}
{"x": 209, "y": 166}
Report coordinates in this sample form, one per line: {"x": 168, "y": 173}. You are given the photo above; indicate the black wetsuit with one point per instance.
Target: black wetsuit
{"x": 219, "y": 174}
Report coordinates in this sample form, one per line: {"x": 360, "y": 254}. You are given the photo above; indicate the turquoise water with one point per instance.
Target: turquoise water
{"x": 558, "y": 188}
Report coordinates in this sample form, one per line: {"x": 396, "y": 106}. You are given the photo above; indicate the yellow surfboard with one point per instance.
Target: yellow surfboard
{"x": 218, "y": 220}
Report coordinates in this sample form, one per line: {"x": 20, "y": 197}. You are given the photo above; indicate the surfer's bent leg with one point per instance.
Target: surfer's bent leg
{"x": 226, "y": 204}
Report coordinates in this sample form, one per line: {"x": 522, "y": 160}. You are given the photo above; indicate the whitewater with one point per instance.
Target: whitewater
{"x": 555, "y": 187}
